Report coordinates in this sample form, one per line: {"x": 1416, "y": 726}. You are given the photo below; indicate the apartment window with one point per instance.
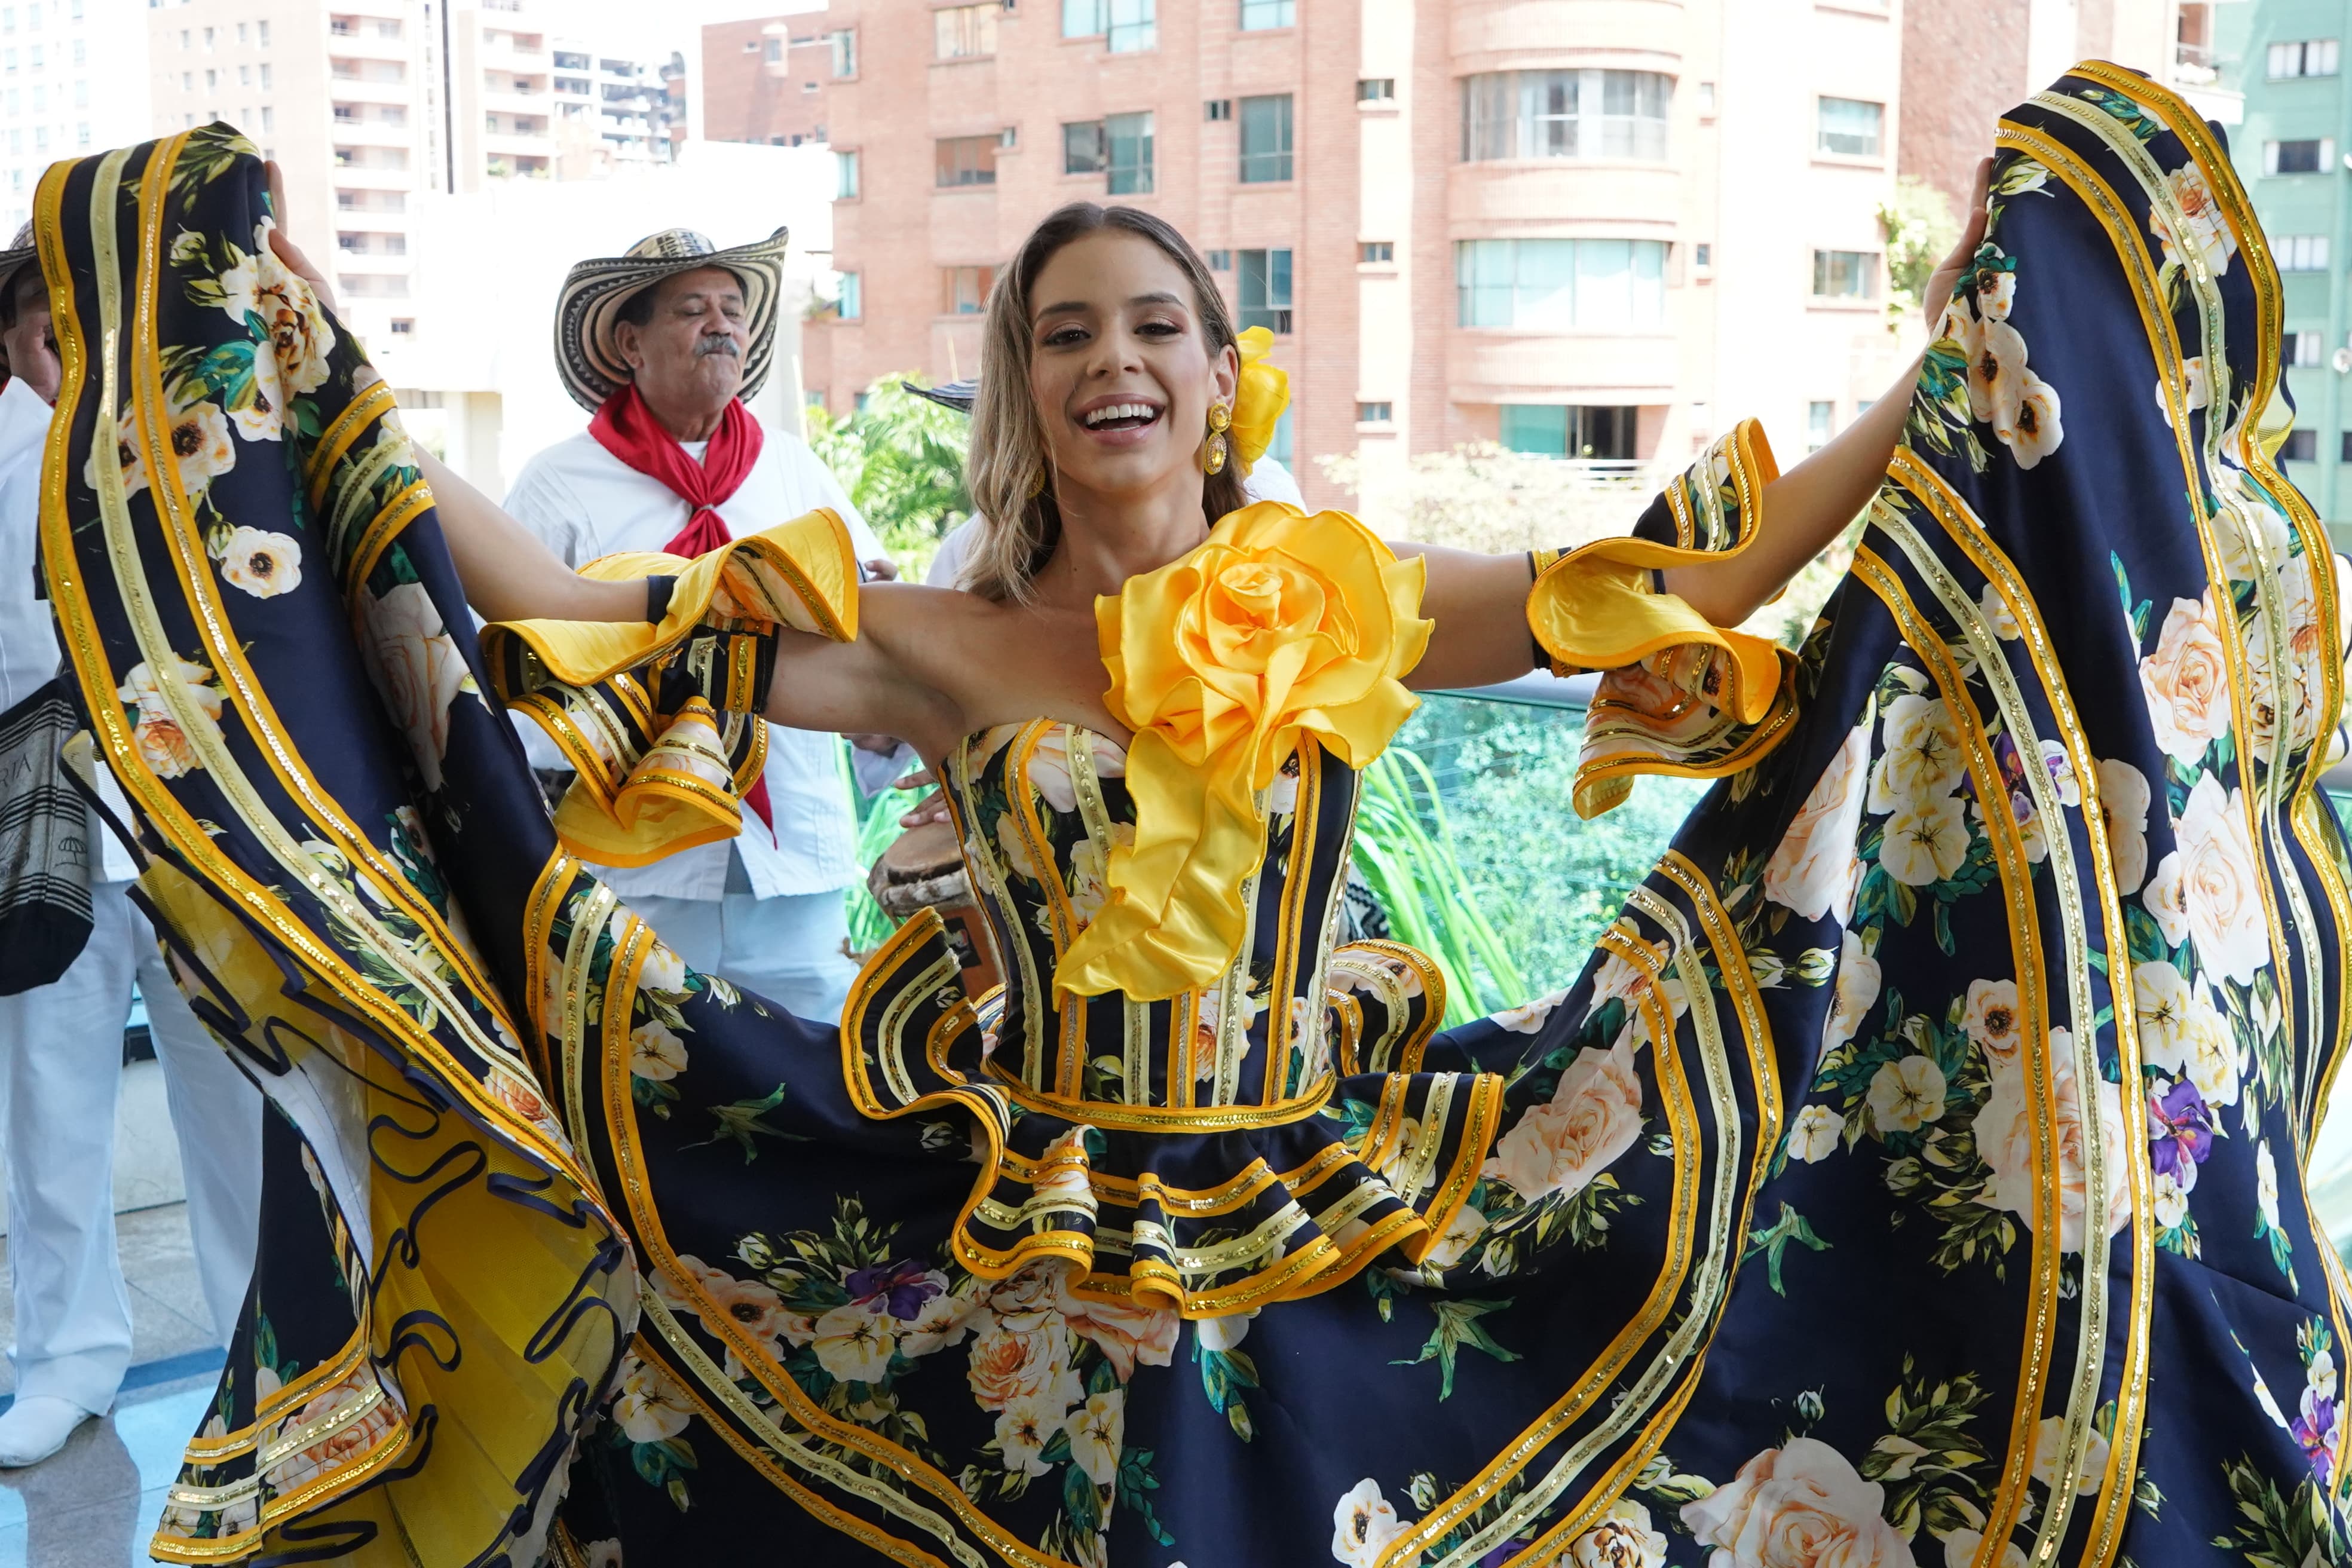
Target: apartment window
{"x": 845, "y": 168}
{"x": 403, "y": 326}
{"x": 1278, "y": 448}
{"x": 212, "y": 80}
{"x": 852, "y": 298}
{"x": 1375, "y": 414}
{"x": 2310, "y": 56}
{"x": 1085, "y": 18}
{"x": 1845, "y": 275}
{"x": 261, "y": 34}
{"x": 1221, "y": 260}
{"x": 245, "y": 76}
{"x": 1569, "y": 430}
{"x": 2307, "y": 157}
{"x": 1082, "y": 148}
{"x": 1134, "y": 26}
{"x": 1266, "y": 138}
{"x": 1219, "y": 108}
{"x": 966, "y": 160}
{"x": 81, "y": 51}
{"x": 2301, "y": 252}
{"x": 265, "y": 69}
{"x": 268, "y": 118}
{"x": 1264, "y": 289}
{"x": 1849, "y": 128}
{"x": 844, "y": 52}
{"x": 240, "y": 26}
{"x": 1376, "y": 90}
{"x": 2300, "y": 349}
{"x": 1130, "y": 139}
{"x": 2300, "y": 446}
{"x": 1705, "y": 98}
{"x": 349, "y": 114}
{"x": 2345, "y": 454}
{"x": 1561, "y": 285}
{"x": 1259, "y": 14}
{"x": 1376, "y": 252}
{"x": 963, "y": 290}
{"x": 1565, "y": 115}
{"x": 965, "y": 32}
{"x": 1818, "y": 418}
{"x": 1702, "y": 255}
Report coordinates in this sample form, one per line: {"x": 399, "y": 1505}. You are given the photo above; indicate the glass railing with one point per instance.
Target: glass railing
{"x": 1467, "y": 838}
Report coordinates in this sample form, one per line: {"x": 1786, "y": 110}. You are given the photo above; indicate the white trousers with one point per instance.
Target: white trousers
{"x": 786, "y": 948}
{"x": 61, "y": 1070}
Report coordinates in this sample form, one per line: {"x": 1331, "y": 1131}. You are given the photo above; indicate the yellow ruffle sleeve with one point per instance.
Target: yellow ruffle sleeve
{"x": 1280, "y": 627}
{"x": 1679, "y": 695}
{"x": 662, "y": 723}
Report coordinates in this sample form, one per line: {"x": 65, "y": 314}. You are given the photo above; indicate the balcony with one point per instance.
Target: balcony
{"x": 1498, "y": 197}
{"x": 1626, "y": 35}
{"x": 1497, "y": 364}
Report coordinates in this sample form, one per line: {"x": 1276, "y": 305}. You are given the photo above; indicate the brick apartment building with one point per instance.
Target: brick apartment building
{"x": 764, "y": 81}
{"x": 1596, "y": 229}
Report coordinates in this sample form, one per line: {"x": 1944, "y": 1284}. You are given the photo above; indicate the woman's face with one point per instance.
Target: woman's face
{"x": 1118, "y": 365}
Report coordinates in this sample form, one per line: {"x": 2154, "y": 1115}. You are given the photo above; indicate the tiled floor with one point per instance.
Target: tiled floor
{"x": 93, "y": 1504}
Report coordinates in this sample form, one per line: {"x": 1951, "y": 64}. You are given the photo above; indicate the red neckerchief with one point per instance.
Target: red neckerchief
{"x": 626, "y": 427}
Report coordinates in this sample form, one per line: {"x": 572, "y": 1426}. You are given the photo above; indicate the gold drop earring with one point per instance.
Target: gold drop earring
{"x": 1214, "y": 450}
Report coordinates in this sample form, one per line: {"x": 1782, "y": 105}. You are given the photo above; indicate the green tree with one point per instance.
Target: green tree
{"x": 1920, "y": 229}
{"x": 901, "y": 459}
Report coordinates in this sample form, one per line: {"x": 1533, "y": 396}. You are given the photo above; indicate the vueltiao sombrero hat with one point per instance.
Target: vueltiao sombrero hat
{"x": 585, "y": 357}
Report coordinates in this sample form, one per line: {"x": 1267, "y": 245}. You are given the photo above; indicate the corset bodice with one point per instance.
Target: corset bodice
{"x": 1040, "y": 806}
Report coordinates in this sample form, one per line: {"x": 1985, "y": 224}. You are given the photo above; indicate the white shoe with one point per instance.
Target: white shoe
{"x": 36, "y": 1428}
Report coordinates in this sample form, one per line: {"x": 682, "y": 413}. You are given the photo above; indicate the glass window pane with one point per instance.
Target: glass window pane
{"x": 1604, "y": 283}
{"x": 1266, "y": 138}
{"x": 1850, "y": 128}
{"x": 1081, "y": 18}
{"x": 1130, "y": 138}
{"x": 1544, "y": 285}
{"x": 1649, "y": 283}
{"x": 1082, "y": 148}
{"x": 1133, "y": 25}
{"x": 1540, "y": 429}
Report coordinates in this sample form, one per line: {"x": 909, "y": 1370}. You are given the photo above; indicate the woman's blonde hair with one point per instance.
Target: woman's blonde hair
{"x": 1009, "y": 471}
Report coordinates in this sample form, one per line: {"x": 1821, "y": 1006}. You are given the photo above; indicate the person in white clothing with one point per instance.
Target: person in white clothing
{"x": 663, "y": 344}
{"x": 61, "y": 1044}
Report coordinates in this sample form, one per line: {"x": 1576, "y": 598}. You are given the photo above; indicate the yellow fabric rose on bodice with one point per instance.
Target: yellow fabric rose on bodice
{"x": 1281, "y": 627}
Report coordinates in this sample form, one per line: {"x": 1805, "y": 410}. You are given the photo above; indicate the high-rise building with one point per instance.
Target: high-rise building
{"x": 1579, "y": 230}
{"x": 2286, "y": 57}
{"x": 1597, "y": 231}
{"x": 73, "y": 77}
{"x": 369, "y": 105}
{"x": 763, "y": 81}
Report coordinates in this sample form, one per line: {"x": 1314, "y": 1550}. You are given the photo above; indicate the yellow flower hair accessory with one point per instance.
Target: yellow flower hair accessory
{"x": 1280, "y": 627}
{"x": 1258, "y": 401}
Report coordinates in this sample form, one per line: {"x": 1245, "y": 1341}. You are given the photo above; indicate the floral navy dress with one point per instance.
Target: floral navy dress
{"x": 1913, "y": 1176}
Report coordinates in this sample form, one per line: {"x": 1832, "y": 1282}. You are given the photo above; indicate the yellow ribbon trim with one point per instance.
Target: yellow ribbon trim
{"x": 1593, "y": 608}
{"x": 1279, "y": 627}
{"x": 681, "y": 792}
{"x": 801, "y": 574}
{"x": 1263, "y": 394}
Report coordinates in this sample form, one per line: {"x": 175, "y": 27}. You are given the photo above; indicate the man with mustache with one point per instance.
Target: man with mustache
{"x": 61, "y": 1044}
{"x": 664, "y": 344}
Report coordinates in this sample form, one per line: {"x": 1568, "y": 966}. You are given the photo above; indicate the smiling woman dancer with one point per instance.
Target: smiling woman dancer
{"x": 1912, "y": 1175}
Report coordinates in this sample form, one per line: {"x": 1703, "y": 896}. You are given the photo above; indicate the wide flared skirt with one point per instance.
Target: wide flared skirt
{"x": 1912, "y": 1176}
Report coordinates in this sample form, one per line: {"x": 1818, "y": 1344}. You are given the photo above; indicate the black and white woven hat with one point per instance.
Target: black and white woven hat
{"x": 586, "y": 354}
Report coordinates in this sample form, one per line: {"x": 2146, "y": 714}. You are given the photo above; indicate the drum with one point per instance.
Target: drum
{"x": 924, "y": 870}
